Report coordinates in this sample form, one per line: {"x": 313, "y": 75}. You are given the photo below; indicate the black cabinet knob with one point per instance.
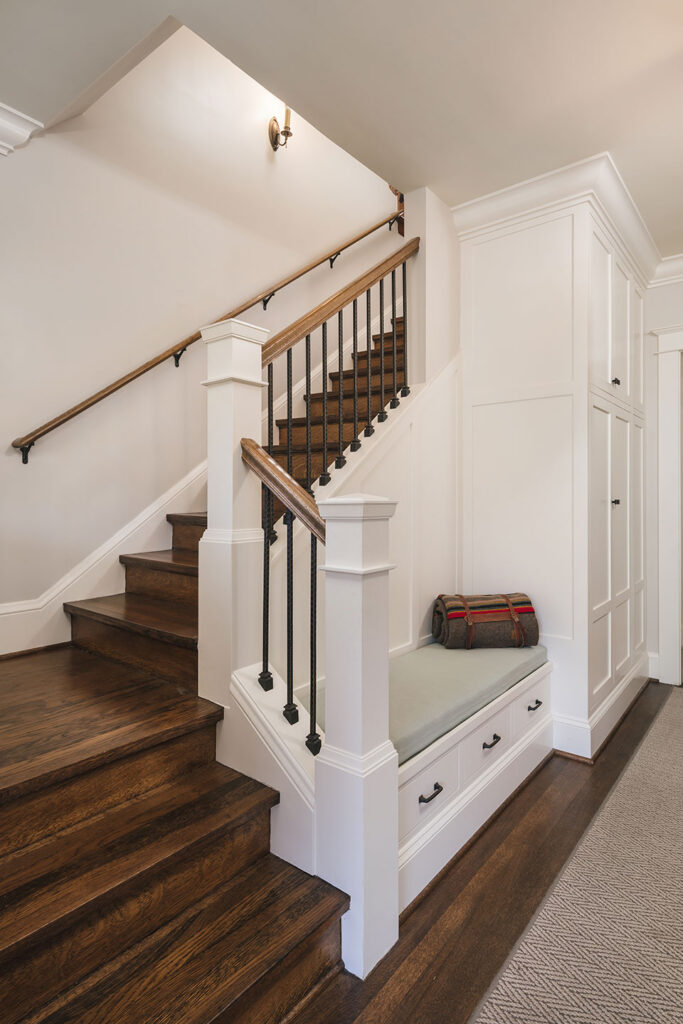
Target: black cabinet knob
{"x": 615, "y": 380}
{"x": 616, "y": 501}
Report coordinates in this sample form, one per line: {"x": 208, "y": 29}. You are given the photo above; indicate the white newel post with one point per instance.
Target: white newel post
{"x": 231, "y": 550}
{"x": 356, "y": 772}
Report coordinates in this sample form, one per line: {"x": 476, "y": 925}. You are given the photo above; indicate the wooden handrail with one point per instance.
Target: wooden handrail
{"x": 326, "y": 310}
{"x": 26, "y": 442}
{"x": 283, "y": 486}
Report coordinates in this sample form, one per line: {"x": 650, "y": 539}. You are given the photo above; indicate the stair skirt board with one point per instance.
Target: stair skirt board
{"x": 255, "y": 736}
{"x": 425, "y": 849}
{"x": 41, "y": 621}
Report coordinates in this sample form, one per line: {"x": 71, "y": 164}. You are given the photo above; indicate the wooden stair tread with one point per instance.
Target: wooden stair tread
{"x": 178, "y": 560}
{"x": 201, "y": 963}
{"x": 48, "y": 886}
{"x": 174, "y": 623}
{"x": 67, "y": 711}
{"x": 187, "y": 518}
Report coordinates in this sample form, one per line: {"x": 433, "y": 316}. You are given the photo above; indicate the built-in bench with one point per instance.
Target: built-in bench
{"x": 469, "y": 727}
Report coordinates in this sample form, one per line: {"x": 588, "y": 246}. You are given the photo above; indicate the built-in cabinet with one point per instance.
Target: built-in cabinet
{"x": 553, "y": 275}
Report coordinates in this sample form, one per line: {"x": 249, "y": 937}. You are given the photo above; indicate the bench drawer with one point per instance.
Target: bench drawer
{"x": 496, "y": 732}
{"x": 443, "y": 774}
{"x": 531, "y": 706}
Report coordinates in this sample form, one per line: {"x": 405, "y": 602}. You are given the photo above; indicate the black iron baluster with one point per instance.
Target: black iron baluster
{"x": 324, "y": 476}
{"x": 265, "y": 675}
{"x": 405, "y": 390}
{"x": 382, "y": 411}
{"x": 313, "y": 741}
{"x": 341, "y": 458}
{"x": 395, "y": 400}
{"x": 272, "y": 533}
{"x": 289, "y": 411}
{"x": 290, "y": 711}
{"x": 355, "y": 444}
{"x": 368, "y": 330}
{"x": 309, "y": 472}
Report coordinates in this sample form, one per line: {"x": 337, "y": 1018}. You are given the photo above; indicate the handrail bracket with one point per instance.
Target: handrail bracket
{"x": 333, "y": 258}
{"x": 267, "y": 300}
{"x": 25, "y": 449}
{"x": 178, "y": 354}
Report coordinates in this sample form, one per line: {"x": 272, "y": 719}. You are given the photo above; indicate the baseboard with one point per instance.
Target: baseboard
{"x": 41, "y": 621}
{"x": 425, "y": 854}
{"x": 254, "y": 739}
{"x": 582, "y": 739}
{"x": 653, "y": 661}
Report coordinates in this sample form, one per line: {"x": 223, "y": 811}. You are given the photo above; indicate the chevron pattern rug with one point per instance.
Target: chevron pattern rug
{"x": 606, "y": 946}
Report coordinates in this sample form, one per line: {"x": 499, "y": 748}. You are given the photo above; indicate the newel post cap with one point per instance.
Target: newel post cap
{"x": 224, "y": 329}
{"x": 354, "y": 507}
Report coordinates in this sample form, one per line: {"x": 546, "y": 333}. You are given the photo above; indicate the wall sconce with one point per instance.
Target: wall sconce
{"x": 279, "y": 138}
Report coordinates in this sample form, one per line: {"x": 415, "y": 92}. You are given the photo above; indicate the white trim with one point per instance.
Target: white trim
{"x": 669, "y": 271}
{"x": 214, "y": 535}
{"x": 234, "y": 379}
{"x": 595, "y": 180}
{"x": 342, "y": 571}
{"x": 653, "y": 664}
{"x": 40, "y": 620}
{"x": 240, "y": 329}
{"x": 356, "y": 764}
{"x": 15, "y": 129}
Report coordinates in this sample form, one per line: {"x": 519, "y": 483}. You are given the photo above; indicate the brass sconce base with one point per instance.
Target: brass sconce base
{"x": 274, "y": 133}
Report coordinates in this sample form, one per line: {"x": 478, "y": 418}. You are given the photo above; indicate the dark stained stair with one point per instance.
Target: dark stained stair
{"x": 136, "y": 882}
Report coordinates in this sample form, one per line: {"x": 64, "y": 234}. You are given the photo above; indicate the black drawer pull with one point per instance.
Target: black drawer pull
{"x": 615, "y": 380}
{"x": 536, "y": 706}
{"x": 432, "y": 796}
{"x": 616, "y": 501}
{"x": 496, "y": 739}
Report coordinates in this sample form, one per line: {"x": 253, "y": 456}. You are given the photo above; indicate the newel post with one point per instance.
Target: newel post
{"x": 356, "y": 772}
{"x": 231, "y": 550}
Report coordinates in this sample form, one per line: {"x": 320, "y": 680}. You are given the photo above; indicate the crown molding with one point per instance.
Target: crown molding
{"x": 594, "y": 180}
{"x": 669, "y": 271}
{"x": 15, "y": 129}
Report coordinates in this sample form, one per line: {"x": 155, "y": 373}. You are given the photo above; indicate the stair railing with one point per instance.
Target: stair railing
{"x": 294, "y": 491}
{"x": 301, "y": 505}
{"x": 25, "y": 443}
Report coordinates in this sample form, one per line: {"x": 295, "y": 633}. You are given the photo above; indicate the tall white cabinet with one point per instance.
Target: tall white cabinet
{"x": 552, "y": 286}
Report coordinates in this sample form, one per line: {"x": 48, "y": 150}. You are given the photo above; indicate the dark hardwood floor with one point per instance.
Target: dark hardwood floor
{"x": 454, "y": 942}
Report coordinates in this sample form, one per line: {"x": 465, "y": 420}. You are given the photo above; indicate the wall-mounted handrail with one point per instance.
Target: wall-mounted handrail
{"x": 292, "y": 495}
{"x": 26, "y": 441}
{"x": 330, "y": 307}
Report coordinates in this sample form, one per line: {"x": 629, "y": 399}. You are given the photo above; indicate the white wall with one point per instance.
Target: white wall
{"x": 126, "y": 229}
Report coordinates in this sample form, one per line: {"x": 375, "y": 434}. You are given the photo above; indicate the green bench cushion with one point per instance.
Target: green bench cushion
{"x": 432, "y": 689}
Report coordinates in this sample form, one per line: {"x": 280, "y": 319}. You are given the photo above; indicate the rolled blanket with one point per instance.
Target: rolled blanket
{"x": 484, "y": 620}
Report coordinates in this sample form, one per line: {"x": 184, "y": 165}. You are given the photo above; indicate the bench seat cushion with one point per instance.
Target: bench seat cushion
{"x": 433, "y": 689}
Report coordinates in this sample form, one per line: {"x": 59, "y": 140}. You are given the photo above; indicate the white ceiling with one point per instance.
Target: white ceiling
{"x": 466, "y": 96}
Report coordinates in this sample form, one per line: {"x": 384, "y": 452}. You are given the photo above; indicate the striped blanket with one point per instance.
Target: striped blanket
{"x": 485, "y": 620}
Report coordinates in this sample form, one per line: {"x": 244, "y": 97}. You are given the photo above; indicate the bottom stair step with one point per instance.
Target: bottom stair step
{"x": 247, "y": 953}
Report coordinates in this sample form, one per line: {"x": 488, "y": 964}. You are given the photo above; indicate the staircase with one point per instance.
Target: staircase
{"x": 136, "y": 882}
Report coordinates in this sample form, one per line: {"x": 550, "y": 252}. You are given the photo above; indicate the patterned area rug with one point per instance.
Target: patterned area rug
{"x": 606, "y": 947}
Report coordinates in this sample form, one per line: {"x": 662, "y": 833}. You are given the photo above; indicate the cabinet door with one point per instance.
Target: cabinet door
{"x": 637, "y": 536}
{"x": 599, "y": 342}
{"x": 600, "y": 551}
{"x": 620, "y": 349}
{"x": 621, "y": 544}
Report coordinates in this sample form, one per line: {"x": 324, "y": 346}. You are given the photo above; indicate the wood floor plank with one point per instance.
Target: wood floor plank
{"x": 457, "y": 938}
